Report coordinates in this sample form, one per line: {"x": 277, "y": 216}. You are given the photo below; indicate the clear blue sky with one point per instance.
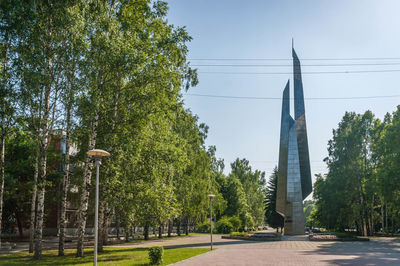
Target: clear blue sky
{"x": 264, "y": 29}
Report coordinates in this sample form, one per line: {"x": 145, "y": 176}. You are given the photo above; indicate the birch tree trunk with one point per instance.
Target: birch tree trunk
{"x": 371, "y": 217}
{"x": 169, "y": 228}
{"x": 363, "y": 217}
{"x": 178, "y": 226}
{"x": 363, "y": 207}
{"x": 382, "y": 217}
{"x": 393, "y": 226}
{"x": 107, "y": 222}
{"x": 35, "y": 175}
{"x": 5, "y": 113}
{"x": 64, "y": 195}
{"x": 370, "y": 225}
{"x": 2, "y": 166}
{"x": 187, "y": 226}
{"x": 160, "y": 231}
{"x": 42, "y": 178}
{"x": 118, "y": 225}
{"x": 146, "y": 231}
{"x": 87, "y": 176}
{"x": 103, "y": 218}
{"x": 33, "y": 201}
{"x": 386, "y": 220}
{"x": 126, "y": 234}
{"x": 101, "y": 223}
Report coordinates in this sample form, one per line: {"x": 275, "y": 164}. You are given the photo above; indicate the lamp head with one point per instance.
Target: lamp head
{"x": 211, "y": 196}
{"x": 97, "y": 153}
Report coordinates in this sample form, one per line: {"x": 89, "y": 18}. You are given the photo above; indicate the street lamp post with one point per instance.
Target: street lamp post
{"x": 211, "y": 196}
{"x": 97, "y": 154}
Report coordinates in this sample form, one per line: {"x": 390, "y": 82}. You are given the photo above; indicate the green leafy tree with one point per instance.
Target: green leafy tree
{"x": 308, "y": 207}
{"x": 7, "y": 94}
{"x": 233, "y": 193}
{"x": 40, "y": 49}
{"x": 354, "y": 189}
{"x": 386, "y": 153}
{"x": 236, "y": 223}
{"x": 253, "y": 183}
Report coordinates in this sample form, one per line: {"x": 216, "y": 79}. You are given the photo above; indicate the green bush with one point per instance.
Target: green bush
{"x": 249, "y": 223}
{"x": 203, "y": 227}
{"x": 236, "y": 223}
{"x": 156, "y": 255}
{"x": 238, "y": 234}
{"x": 224, "y": 226}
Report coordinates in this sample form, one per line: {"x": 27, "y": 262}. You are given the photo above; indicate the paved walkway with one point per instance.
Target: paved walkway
{"x": 287, "y": 252}
{"x": 290, "y": 251}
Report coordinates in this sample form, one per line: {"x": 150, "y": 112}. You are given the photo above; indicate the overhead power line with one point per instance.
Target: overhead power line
{"x": 279, "y": 98}
{"x": 255, "y": 161}
{"x": 307, "y": 72}
{"x": 289, "y": 65}
{"x": 290, "y": 59}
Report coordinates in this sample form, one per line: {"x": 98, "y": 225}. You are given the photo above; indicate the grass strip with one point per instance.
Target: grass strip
{"x": 110, "y": 256}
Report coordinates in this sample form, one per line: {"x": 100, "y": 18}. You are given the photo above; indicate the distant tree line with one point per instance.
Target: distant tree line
{"x": 361, "y": 190}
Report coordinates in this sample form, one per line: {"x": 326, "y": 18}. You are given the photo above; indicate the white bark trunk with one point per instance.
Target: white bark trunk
{"x": 41, "y": 185}
{"x": 2, "y": 166}
{"x": 64, "y": 195}
{"x": 33, "y": 201}
{"x": 87, "y": 176}
{"x": 3, "y": 136}
{"x": 101, "y": 221}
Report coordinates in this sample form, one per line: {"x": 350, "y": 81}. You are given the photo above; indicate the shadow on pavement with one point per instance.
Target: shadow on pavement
{"x": 215, "y": 244}
{"x": 361, "y": 253}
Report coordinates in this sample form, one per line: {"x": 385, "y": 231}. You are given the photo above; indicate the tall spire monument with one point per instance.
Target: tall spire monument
{"x": 294, "y": 173}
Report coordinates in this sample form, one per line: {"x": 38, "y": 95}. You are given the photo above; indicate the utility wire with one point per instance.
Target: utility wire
{"x": 308, "y": 72}
{"x": 290, "y": 59}
{"x": 306, "y": 65}
{"x": 312, "y": 161}
{"x": 280, "y": 98}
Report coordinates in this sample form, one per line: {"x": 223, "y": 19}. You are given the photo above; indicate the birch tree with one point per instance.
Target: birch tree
{"x": 41, "y": 52}
{"x": 7, "y": 99}
{"x": 72, "y": 84}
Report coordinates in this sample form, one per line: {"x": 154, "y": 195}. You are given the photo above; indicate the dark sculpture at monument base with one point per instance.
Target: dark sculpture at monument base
{"x": 294, "y": 179}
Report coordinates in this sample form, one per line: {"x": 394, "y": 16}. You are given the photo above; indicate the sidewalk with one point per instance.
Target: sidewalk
{"x": 297, "y": 250}
{"x": 52, "y": 243}
{"x": 292, "y": 250}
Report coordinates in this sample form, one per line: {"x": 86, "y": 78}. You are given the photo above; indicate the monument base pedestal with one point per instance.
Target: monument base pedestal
{"x": 295, "y": 221}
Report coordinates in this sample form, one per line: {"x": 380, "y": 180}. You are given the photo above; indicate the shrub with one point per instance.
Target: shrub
{"x": 156, "y": 255}
{"x": 203, "y": 227}
{"x": 249, "y": 223}
{"x": 236, "y": 223}
{"x": 224, "y": 226}
{"x": 239, "y": 234}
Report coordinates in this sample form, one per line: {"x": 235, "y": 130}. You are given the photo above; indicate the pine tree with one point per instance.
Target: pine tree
{"x": 274, "y": 219}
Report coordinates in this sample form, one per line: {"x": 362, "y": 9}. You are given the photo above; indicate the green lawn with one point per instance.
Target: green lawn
{"x": 116, "y": 242}
{"x": 110, "y": 256}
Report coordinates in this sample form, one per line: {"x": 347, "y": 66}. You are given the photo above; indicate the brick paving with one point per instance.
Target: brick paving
{"x": 302, "y": 252}
{"x": 295, "y": 250}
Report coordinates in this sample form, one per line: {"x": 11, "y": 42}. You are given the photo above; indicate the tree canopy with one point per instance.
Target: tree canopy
{"x": 78, "y": 75}
{"x": 361, "y": 190}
